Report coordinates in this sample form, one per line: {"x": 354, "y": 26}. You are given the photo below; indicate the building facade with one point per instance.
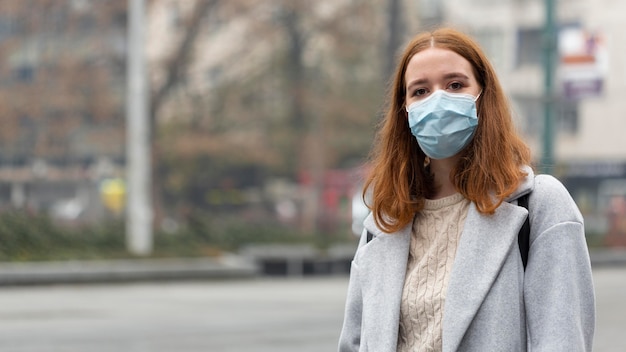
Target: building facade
{"x": 57, "y": 156}
{"x": 62, "y": 104}
{"x": 589, "y": 110}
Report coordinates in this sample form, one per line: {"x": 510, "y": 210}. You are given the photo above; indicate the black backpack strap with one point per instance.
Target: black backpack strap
{"x": 523, "y": 238}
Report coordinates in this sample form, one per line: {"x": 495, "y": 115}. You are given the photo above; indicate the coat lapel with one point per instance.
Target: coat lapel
{"x": 485, "y": 242}
{"x": 384, "y": 272}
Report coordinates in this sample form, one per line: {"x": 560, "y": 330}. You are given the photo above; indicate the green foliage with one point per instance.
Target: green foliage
{"x": 28, "y": 237}
{"x": 32, "y": 237}
{"x": 206, "y": 234}
{"x": 595, "y": 239}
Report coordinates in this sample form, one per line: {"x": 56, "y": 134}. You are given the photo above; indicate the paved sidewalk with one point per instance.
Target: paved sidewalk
{"x": 231, "y": 266}
{"x": 608, "y": 257}
{"x": 30, "y": 273}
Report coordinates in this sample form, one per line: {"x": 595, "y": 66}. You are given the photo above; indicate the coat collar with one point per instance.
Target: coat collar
{"x": 527, "y": 185}
{"x": 484, "y": 245}
{"x": 383, "y": 265}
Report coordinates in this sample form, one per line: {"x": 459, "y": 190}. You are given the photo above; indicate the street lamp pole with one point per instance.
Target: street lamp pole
{"x": 139, "y": 208}
{"x": 549, "y": 62}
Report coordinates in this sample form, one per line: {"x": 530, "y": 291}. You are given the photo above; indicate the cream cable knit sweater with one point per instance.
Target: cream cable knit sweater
{"x": 436, "y": 231}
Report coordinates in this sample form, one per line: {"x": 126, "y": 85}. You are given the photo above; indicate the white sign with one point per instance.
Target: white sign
{"x": 583, "y": 62}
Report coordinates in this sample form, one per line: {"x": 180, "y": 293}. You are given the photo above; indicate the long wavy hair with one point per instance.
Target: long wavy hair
{"x": 490, "y": 167}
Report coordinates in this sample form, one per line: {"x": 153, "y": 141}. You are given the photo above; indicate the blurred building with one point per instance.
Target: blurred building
{"x": 61, "y": 104}
{"x": 264, "y": 76}
{"x": 589, "y": 143}
{"x": 257, "y": 71}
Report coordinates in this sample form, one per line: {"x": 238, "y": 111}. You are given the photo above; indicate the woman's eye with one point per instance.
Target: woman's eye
{"x": 420, "y": 91}
{"x": 455, "y": 86}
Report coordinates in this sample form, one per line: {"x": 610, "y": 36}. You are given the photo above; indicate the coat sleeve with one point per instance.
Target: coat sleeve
{"x": 350, "y": 338}
{"x": 558, "y": 285}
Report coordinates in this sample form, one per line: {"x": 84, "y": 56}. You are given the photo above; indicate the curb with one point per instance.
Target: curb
{"x": 607, "y": 257}
{"x": 251, "y": 263}
{"x": 66, "y": 272}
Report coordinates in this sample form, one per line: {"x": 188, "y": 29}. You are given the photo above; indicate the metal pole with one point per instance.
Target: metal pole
{"x": 549, "y": 51}
{"x": 139, "y": 208}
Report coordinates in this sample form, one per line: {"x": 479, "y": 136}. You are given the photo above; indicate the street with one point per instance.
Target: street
{"x": 244, "y": 315}
{"x": 258, "y": 315}
{"x": 610, "y": 284}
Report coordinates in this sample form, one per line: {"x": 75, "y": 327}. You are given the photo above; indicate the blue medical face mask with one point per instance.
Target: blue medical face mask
{"x": 443, "y": 123}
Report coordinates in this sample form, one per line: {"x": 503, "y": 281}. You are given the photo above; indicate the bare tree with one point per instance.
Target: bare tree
{"x": 300, "y": 104}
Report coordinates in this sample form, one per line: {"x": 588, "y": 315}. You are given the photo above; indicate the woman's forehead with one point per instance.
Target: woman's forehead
{"x": 437, "y": 62}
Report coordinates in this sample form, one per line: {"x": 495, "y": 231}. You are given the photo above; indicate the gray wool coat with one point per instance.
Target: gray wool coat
{"x": 492, "y": 304}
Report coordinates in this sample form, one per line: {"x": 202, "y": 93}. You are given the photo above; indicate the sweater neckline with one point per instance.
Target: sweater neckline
{"x": 435, "y": 204}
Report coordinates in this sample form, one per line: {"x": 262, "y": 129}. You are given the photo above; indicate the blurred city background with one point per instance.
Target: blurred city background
{"x": 202, "y": 139}
{"x": 256, "y": 117}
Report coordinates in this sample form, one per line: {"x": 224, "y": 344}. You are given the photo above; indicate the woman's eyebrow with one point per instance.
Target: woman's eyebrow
{"x": 447, "y": 76}
{"x": 457, "y": 75}
{"x": 416, "y": 82}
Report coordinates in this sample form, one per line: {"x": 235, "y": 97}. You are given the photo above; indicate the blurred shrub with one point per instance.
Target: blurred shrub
{"x": 595, "y": 239}
{"x": 34, "y": 237}
{"x": 26, "y": 236}
{"x": 206, "y": 234}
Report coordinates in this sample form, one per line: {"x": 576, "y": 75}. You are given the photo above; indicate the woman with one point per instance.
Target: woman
{"x": 440, "y": 268}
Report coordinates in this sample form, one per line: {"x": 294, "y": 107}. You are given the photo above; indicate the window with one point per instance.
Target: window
{"x": 430, "y": 10}
{"x": 24, "y": 73}
{"x": 8, "y": 27}
{"x": 566, "y": 116}
{"x": 529, "y": 46}
{"x": 531, "y": 112}
{"x": 492, "y": 41}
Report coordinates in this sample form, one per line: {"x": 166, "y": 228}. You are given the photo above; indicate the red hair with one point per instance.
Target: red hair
{"x": 490, "y": 167}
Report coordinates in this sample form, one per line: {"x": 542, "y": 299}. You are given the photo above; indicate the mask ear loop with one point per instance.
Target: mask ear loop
{"x": 476, "y": 99}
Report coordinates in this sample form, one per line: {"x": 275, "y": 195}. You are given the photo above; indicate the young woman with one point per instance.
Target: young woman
{"x": 439, "y": 266}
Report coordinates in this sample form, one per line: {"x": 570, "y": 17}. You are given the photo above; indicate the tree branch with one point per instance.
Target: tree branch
{"x": 180, "y": 59}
